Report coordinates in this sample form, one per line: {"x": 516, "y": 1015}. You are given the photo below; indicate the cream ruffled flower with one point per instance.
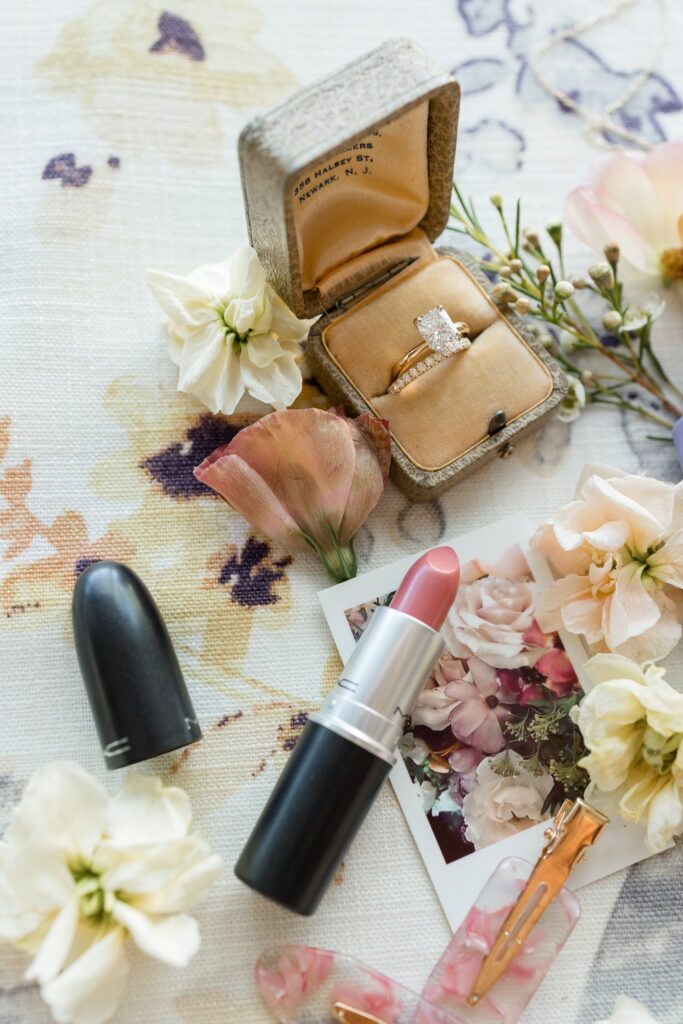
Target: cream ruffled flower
{"x": 637, "y": 203}
{"x": 502, "y": 805}
{"x": 229, "y": 332}
{"x": 619, "y": 550}
{"x": 81, "y": 872}
{"x": 631, "y": 721}
{"x": 628, "y": 1011}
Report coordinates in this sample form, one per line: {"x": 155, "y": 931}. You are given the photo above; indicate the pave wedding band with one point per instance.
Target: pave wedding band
{"x": 441, "y": 338}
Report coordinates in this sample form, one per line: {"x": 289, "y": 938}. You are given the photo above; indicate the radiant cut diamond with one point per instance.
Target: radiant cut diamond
{"x": 438, "y": 330}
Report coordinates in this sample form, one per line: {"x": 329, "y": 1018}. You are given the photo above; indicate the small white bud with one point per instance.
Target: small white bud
{"x": 611, "y": 321}
{"x": 564, "y": 289}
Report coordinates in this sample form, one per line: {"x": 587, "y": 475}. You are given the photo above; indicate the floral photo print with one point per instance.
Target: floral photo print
{"x": 492, "y": 746}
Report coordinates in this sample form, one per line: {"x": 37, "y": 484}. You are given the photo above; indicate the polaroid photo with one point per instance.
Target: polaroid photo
{"x": 507, "y": 689}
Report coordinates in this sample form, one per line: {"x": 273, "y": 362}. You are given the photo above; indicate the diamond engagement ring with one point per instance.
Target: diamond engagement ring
{"x": 441, "y": 338}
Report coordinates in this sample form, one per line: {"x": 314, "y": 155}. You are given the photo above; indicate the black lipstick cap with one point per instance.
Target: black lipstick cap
{"x": 134, "y": 683}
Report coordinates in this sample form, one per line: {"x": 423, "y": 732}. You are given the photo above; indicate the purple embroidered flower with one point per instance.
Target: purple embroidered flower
{"x": 177, "y": 35}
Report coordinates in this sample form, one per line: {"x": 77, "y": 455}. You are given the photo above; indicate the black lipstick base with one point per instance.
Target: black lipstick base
{"x": 325, "y": 791}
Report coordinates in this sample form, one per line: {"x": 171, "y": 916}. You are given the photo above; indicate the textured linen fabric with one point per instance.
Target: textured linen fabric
{"x": 119, "y": 127}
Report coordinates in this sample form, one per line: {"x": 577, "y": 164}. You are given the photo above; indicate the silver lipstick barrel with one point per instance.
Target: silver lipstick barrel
{"x": 381, "y": 682}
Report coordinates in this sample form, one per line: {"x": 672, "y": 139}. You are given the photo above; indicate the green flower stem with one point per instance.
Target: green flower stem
{"x": 623, "y": 403}
{"x": 339, "y": 561}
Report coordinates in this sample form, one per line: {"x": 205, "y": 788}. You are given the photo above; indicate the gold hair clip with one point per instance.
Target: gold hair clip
{"x": 576, "y": 826}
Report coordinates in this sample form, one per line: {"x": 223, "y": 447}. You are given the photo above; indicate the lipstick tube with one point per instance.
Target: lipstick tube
{"x": 348, "y": 747}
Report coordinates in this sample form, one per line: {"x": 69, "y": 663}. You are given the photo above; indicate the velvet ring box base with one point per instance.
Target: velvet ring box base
{"x": 346, "y": 186}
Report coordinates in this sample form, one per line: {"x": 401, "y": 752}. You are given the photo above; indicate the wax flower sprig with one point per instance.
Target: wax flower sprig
{"x": 609, "y": 363}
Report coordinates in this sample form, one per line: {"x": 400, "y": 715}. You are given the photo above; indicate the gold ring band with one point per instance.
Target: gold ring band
{"x": 442, "y": 338}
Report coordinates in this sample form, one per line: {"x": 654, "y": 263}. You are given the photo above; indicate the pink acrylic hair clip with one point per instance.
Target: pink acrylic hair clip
{"x": 490, "y": 969}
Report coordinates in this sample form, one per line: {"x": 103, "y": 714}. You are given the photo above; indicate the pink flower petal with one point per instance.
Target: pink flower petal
{"x": 243, "y": 489}
{"x": 307, "y": 457}
{"x": 372, "y": 442}
{"x": 596, "y": 225}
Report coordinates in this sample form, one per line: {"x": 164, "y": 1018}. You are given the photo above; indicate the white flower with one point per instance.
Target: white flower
{"x": 229, "y": 332}
{"x": 80, "y": 873}
{"x": 413, "y": 748}
{"x": 628, "y": 1011}
{"x": 631, "y": 720}
{"x": 636, "y": 317}
{"x": 426, "y": 794}
{"x": 501, "y": 805}
{"x": 571, "y": 406}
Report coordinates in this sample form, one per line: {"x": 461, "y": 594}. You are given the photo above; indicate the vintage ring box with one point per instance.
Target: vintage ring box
{"x": 346, "y": 185}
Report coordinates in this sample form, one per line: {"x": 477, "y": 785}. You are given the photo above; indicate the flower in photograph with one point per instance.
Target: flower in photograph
{"x": 558, "y": 671}
{"x": 306, "y": 478}
{"x": 636, "y": 203}
{"x": 435, "y": 703}
{"x": 230, "y": 333}
{"x": 628, "y": 1011}
{"x": 489, "y": 618}
{"x": 414, "y": 748}
{"x": 480, "y": 710}
{"x": 80, "y": 873}
{"x": 618, "y": 550}
{"x": 631, "y": 721}
{"x": 507, "y": 798}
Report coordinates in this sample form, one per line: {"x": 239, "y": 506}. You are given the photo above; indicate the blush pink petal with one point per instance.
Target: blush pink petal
{"x": 597, "y": 226}
{"x": 372, "y": 443}
{"x": 243, "y": 489}
{"x": 471, "y": 723}
{"x": 624, "y": 185}
{"x": 307, "y": 458}
{"x": 664, "y": 166}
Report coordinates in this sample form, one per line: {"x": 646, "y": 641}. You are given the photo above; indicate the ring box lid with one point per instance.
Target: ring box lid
{"x": 358, "y": 159}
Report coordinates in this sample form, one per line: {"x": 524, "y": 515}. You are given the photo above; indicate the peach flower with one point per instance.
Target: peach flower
{"x": 637, "y": 203}
{"x": 306, "y": 478}
{"x": 618, "y": 549}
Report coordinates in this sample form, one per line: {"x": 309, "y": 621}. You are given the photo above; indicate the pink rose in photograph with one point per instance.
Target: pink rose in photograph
{"x": 502, "y": 804}
{"x": 489, "y": 619}
{"x": 480, "y": 708}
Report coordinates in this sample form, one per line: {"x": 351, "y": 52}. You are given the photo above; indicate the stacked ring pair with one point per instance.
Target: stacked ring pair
{"x": 441, "y": 339}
